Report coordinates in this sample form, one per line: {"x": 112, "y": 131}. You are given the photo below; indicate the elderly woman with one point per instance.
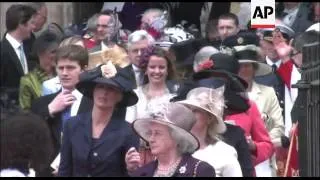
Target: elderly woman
{"x": 95, "y": 143}
{"x": 167, "y": 131}
{"x": 30, "y": 85}
{"x": 208, "y": 105}
{"x": 26, "y": 145}
{"x": 158, "y": 89}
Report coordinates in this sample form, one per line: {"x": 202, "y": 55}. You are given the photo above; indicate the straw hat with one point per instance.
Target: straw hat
{"x": 210, "y": 100}
{"x": 176, "y": 116}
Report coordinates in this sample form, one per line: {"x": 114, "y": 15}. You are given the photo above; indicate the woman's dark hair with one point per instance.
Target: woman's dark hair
{"x": 46, "y": 41}
{"x": 25, "y": 142}
{"x": 159, "y": 52}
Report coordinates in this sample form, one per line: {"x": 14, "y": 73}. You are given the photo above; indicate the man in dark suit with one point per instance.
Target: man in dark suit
{"x": 295, "y": 15}
{"x": 59, "y": 107}
{"x": 40, "y": 18}
{"x": 137, "y": 41}
{"x": 14, "y": 63}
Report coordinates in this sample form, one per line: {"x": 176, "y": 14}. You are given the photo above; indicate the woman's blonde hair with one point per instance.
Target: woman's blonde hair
{"x": 71, "y": 40}
{"x": 212, "y": 136}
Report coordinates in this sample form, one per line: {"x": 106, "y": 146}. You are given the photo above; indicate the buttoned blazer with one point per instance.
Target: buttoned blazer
{"x": 116, "y": 139}
{"x": 188, "y": 167}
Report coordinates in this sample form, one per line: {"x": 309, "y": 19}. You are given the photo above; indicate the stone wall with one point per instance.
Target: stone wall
{"x": 58, "y": 12}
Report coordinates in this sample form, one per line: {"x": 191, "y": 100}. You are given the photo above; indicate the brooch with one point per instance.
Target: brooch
{"x": 240, "y": 40}
{"x": 182, "y": 169}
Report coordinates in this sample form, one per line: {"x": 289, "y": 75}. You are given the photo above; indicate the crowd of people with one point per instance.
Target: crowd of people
{"x": 158, "y": 100}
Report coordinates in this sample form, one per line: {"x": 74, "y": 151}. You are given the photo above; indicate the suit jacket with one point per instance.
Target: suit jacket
{"x": 268, "y": 104}
{"x": 301, "y": 23}
{"x": 130, "y": 72}
{"x": 28, "y": 47}
{"x": 274, "y": 80}
{"x": 186, "y": 168}
{"x": 10, "y": 68}
{"x": 252, "y": 124}
{"x": 235, "y": 137}
{"x": 40, "y": 107}
{"x": 80, "y": 156}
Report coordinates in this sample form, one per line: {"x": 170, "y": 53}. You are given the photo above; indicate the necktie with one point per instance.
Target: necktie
{"x": 66, "y": 114}
{"x": 141, "y": 77}
{"x": 274, "y": 68}
{"x": 22, "y": 58}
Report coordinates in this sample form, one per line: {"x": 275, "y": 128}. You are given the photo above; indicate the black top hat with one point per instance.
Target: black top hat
{"x": 120, "y": 81}
{"x": 225, "y": 66}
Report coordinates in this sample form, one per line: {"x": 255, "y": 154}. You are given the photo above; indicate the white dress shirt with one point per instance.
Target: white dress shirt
{"x": 76, "y": 104}
{"x": 16, "y": 46}
{"x": 270, "y": 62}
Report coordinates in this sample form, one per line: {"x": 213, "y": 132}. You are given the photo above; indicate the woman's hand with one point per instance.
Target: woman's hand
{"x": 132, "y": 159}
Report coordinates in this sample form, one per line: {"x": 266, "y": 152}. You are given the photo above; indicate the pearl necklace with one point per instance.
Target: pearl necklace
{"x": 167, "y": 172}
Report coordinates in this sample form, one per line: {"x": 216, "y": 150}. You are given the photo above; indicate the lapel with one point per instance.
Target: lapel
{"x": 255, "y": 92}
{"x": 132, "y": 75}
{"x": 86, "y": 105}
{"x": 111, "y": 131}
{"x": 185, "y": 167}
{"x": 86, "y": 127}
{"x": 11, "y": 52}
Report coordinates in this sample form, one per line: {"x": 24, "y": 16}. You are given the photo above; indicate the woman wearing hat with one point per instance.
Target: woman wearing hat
{"x": 168, "y": 133}
{"x": 95, "y": 143}
{"x": 266, "y": 100}
{"x": 240, "y": 110}
{"x": 207, "y": 105}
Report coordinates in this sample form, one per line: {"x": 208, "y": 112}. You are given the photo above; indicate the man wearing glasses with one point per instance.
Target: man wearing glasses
{"x": 108, "y": 26}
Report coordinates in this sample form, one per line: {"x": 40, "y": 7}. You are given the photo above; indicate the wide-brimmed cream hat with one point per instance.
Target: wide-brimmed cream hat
{"x": 210, "y": 100}
{"x": 176, "y": 116}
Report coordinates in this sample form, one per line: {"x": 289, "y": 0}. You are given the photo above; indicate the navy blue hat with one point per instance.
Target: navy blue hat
{"x": 121, "y": 81}
{"x": 225, "y": 66}
{"x": 241, "y": 39}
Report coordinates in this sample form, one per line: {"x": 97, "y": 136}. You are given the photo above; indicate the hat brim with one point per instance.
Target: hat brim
{"x": 141, "y": 127}
{"x": 87, "y": 87}
{"x": 262, "y": 68}
{"x": 237, "y": 83}
{"x": 221, "y": 127}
